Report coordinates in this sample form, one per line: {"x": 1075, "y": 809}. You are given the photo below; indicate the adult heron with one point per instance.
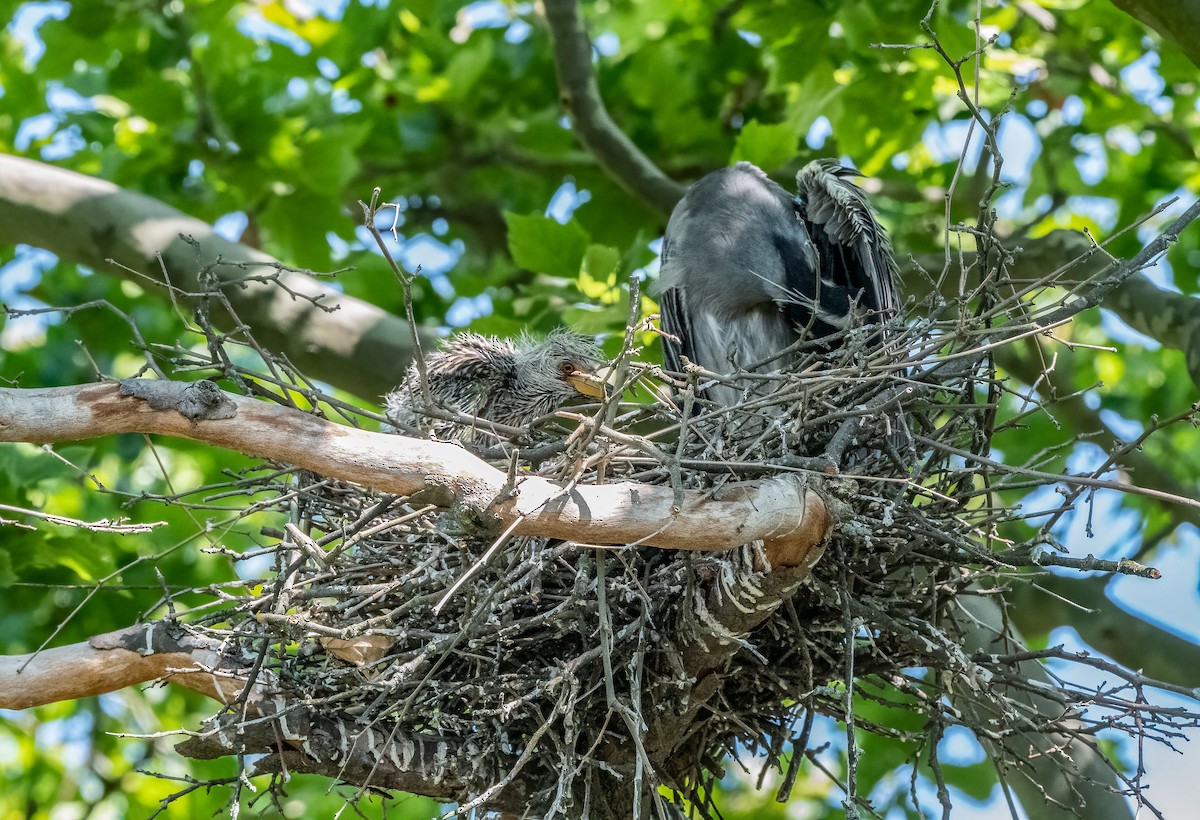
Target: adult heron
{"x": 749, "y": 269}
{"x": 500, "y": 380}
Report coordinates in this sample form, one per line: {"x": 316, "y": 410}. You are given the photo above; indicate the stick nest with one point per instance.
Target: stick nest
{"x": 576, "y": 681}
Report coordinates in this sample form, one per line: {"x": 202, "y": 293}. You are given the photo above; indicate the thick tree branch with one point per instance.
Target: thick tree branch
{"x": 1172, "y": 319}
{"x": 114, "y": 660}
{"x": 346, "y": 750}
{"x": 617, "y": 154}
{"x": 783, "y": 512}
{"x": 357, "y": 347}
{"x": 330, "y": 746}
{"x": 736, "y": 609}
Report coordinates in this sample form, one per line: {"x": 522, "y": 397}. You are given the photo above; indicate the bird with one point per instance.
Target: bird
{"x": 747, "y": 269}
{"x": 511, "y": 382}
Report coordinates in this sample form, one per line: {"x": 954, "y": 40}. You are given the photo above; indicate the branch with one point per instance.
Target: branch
{"x": 1172, "y": 319}
{"x": 783, "y": 512}
{"x": 1073, "y": 409}
{"x": 114, "y": 660}
{"x": 357, "y": 347}
{"x": 331, "y": 746}
{"x": 616, "y": 153}
{"x": 1081, "y": 603}
{"x": 1038, "y": 776}
{"x": 714, "y": 629}
{"x": 345, "y": 750}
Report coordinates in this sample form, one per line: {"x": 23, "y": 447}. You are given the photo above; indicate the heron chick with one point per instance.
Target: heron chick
{"x": 501, "y": 380}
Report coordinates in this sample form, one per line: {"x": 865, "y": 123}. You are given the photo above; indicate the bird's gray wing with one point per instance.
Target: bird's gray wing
{"x": 733, "y": 252}
{"x": 673, "y": 319}
{"x": 858, "y": 271}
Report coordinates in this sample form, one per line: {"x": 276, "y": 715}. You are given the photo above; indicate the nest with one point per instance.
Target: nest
{"x": 557, "y": 679}
{"x": 565, "y": 674}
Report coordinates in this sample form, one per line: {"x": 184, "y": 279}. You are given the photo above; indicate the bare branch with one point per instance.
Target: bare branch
{"x": 1170, "y": 318}
{"x": 783, "y": 512}
{"x": 114, "y": 660}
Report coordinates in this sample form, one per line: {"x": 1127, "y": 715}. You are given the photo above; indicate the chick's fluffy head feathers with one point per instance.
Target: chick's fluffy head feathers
{"x": 501, "y": 380}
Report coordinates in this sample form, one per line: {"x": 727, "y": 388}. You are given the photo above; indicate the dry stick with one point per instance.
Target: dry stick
{"x": 370, "y": 212}
{"x": 1083, "y": 418}
{"x": 1116, "y": 455}
{"x": 478, "y": 565}
{"x": 961, "y": 366}
{"x": 1055, "y": 275}
{"x": 850, "y": 804}
{"x": 68, "y": 312}
{"x": 1079, "y": 480}
{"x": 103, "y": 525}
{"x": 609, "y": 405}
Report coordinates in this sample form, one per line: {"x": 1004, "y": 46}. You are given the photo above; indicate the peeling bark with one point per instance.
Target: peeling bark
{"x": 784, "y": 512}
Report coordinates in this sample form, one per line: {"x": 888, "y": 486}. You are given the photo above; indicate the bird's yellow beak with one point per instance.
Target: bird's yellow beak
{"x": 589, "y": 384}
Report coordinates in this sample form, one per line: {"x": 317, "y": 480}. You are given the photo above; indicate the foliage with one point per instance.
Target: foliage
{"x": 280, "y": 117}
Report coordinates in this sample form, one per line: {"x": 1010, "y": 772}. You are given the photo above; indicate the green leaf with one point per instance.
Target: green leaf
{"x": 540, "y": 244}
{"x": 468, "y": 67}
{"x": 7, "y": 574}
{"x": 976, "y": 780}
{"x": 767, "y": 146}
{"x": 601, "y": 262}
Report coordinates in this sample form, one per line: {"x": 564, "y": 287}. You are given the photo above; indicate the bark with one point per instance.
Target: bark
{"x": 784, "y": 513}
{"x": 1171, "y": 319}
{"x": 347, "y": 751}
{"x": 88, "y": 221}
{"x": 113, "y": 661}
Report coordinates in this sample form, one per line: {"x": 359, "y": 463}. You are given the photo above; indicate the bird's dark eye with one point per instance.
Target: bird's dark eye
{"x": 566, "y": 368}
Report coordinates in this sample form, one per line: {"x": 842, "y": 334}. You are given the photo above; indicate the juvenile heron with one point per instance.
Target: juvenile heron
{"x": 748, "y": 269}
{"x": 505, "y": 381}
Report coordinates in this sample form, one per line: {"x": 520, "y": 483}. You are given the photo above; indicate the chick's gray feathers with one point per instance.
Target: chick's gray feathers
{"x": 501, "y": 380}
{"x": 749, "y": 269}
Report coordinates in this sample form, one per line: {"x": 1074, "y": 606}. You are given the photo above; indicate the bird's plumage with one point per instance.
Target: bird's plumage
{"x": 749, "y": 269}
{"x": 501, "y": 380}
